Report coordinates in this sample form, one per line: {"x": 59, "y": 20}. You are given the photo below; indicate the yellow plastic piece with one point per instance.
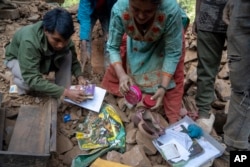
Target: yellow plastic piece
{"x": 105, "y": 163}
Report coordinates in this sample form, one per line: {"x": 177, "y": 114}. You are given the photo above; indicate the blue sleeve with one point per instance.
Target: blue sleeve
{"x": 173, "y": 40}
{"x": 83, "y": 16}
{"x": 185, "y": 19}
{"x": 115, "y": 35}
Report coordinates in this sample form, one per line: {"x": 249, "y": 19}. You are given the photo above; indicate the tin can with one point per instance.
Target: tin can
{"x": 148, "y": 102}
{"x": 134, "y": 95}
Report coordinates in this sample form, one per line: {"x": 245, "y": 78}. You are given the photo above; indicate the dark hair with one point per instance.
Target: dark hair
{"x": 59, "y": 20}
{"x": 155, "y": 2}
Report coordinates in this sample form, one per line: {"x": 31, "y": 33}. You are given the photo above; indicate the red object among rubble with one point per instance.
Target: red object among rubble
{"x": 148, "y": 102}
{"x": 134, "y": 95}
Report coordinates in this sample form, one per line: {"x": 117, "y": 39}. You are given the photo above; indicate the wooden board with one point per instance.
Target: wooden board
{"x": 12, "y": 159}
{"x": 31, "y": 131}
{"x": 53, "y": 107}
{"x": 34, "y": 137}
{"x": 2, "y": 119}
{"x": 9, "y": 14}
{"x": 1, "y": 96}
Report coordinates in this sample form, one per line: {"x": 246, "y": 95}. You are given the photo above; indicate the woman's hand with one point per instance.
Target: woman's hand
{"x": 158, "y": 96}
{"x": 75, "y": 95}
{"x": 124, "y": 83}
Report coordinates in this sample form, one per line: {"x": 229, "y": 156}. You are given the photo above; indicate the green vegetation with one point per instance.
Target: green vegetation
{"x": 189, "y": 7}
{"x": 69, "y": 3}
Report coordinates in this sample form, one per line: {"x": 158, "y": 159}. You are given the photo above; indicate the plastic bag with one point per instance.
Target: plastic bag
{"x": 98, "y": 134}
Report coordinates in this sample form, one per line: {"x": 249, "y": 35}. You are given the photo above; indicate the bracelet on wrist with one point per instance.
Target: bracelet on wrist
{"x": 160, "y": 86}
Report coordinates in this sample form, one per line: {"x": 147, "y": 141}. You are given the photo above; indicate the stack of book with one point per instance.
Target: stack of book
{"x": 95, "y": 96}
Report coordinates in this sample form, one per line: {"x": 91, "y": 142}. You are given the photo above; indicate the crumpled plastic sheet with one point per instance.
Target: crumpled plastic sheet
{"x": 98, "y": 134}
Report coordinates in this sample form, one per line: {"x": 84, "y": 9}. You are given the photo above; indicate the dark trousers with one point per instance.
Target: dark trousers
{"x": 209, "y": 49}
{"x": 237, "y": 127}
{"x": 236, "y": 130}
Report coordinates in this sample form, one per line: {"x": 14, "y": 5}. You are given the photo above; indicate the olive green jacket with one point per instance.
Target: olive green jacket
{"x": 30, "y": 47}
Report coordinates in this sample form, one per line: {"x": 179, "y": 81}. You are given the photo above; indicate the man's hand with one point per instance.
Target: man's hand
{"x": 82, "y": 81}
{"x": 75, "y": 95}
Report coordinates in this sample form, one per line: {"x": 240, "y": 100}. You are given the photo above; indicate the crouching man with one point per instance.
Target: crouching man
{"x": 44, "y": 47}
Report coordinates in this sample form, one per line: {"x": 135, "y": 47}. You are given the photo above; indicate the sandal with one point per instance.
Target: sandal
{"x": 193, "y": 115}
{"x": 148, "y": 123}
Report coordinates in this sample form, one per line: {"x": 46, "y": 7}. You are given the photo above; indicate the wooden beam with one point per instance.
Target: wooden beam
{"x": 30, "y": 132}
{"x": 54, "y": 104}
{"x": 2, "y": 120}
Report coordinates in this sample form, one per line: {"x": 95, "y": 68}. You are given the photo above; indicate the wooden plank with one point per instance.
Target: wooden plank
{"x": 30, "y": 131}
{"x": 47, "y": 109}
{"x": 12, "y": 159}
{"x": 2, "y": 119}
{"x": 54, "y": 104}
{"x": 9, "y": 14}
{"x": 1, "y": 97}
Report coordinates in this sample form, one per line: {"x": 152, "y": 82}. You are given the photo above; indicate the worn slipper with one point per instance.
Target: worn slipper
{"x": 148, "y": 123}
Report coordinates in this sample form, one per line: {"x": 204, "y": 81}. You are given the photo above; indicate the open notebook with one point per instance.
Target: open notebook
{"x": 93, "y": 104}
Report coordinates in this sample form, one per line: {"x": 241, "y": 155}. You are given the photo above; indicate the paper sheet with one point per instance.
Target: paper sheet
{"x": 174, "y": 136}
{"x": 92, "y": 104}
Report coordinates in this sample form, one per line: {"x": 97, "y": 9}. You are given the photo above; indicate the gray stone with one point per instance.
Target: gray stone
{"x": 190, "y": 55}
{"x": 70, "y": 155}
{"x": 136, "y": 157}
{"x": 9, "y": 14}
{"x": 63, "y": 144}
{"x": 34, "y": 18}
{"x": 147, "y": 144}
{"x": 114, "y": 156}
{"x": 227, "y": 107}
{"x": 223, "y": 89}
{"x": 219, "y": 104}
{"x": 130, "y": 136}
{"x": 224, "y": 59}
{"x": 192, "y": 73}
{"x": 224, "y": 72}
